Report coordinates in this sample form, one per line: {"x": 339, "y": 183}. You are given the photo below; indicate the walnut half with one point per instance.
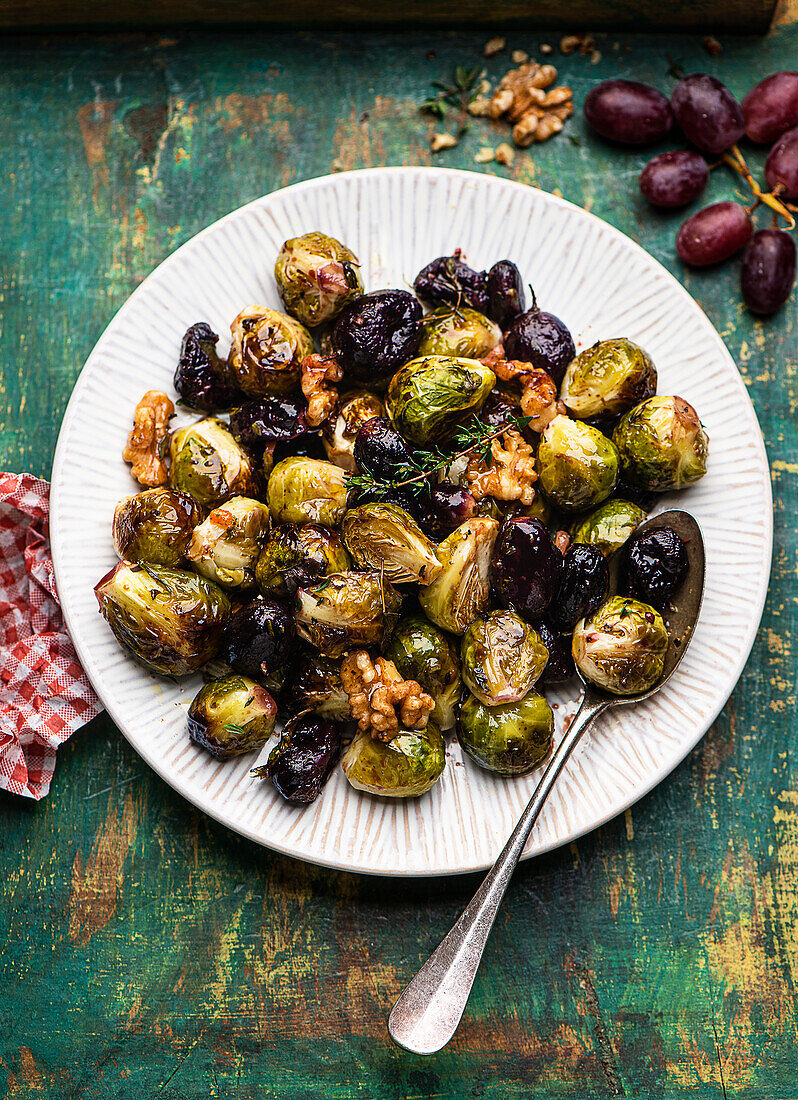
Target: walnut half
{"x": 379, "y": 698}
{"x": 511, "y": 474}
{"x": 143, "y": 447}
{"x": 319, "y": 375}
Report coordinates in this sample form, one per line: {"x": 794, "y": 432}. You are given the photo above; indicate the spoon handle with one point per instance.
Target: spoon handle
{"x": 428, "y": 1011}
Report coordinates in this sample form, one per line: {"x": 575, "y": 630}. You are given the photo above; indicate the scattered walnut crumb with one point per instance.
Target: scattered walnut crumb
{"x": 504, "y": 154}
{"x": 479, "y": 106}
{"x": 143, "y": 448}
{"x": 595, "y": 57}
{"x": 511, "y": 474}
{"x": 585, "y": 43}
{"x": 484, "y": 156}
{"x": 546, "y": 49}
{"x": 494, "y": 46}
{"x": 484, "y": 87}
{"x": 519, "y": 57}
{"x": 442, "y": 141}
{"x": 711, "y": 45}
{"x": 319, "y": 375}
{"x": 562, "y": 540}
{"x": 379, "y": 698}
{"x": 568, "y": 43}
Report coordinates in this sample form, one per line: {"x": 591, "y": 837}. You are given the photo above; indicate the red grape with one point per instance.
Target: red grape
{"x": 781, "y": 167}
{"x": 771, "y": 107}
{"x": 628, "y": 112}
{"x": 768, "y": 270}
{"x": 707, "y": 112}
{"x": 674, "y": 179}
{"x": 713, "y": 234}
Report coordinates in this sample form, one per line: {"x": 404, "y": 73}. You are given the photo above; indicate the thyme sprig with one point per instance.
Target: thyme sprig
{"x": 458, "y": 95}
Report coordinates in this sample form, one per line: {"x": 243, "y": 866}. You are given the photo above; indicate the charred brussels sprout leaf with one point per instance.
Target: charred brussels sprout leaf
{"x": 423, "y": 653}
{"x": 502, "y": 658}
{"x": 404, "y": 767}
{"x": 316, "y": 276}
{"x": 297, "y": 556}
{"x": 340, "y": 431}
{"x": 303, "y": 490}
{"x": 201, "y": 376}
{"x": 510, "y": 739}
{"x": 303, "y": 760}
{"x": 267, "y": 350}
{"x": 662, "y": 445}
{"x": 231, "y": 716}
{"x": 609, "y": 526}
{"x": 226, "y": 546}
{"x": 316, "y": 686}
{"x": 155, "y": 526}
{"x": 259, "y": 638}
{"x": 577, "y": 465}
{"x": 385, "y": 538}
{"x": 621, "y": 647}
{"x": 208, "y": 464}
{"x": 171, "y": 620}
{"x": 458, "y": 332}
{"x": 347, "y": 610}
{"x": 608, "y": 379}
{"x": 460, "y": 591}
{"x": 429, "y": 397}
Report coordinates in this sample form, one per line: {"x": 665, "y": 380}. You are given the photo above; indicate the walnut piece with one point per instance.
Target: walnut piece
{"x": 511, "y": 474}
{"x": 538, "y": 398}
{"x": 379, "y": 699}
{"x": 562, "y": 540}
{"x": 143, "y": 447}
{"x": 319, "y": 375}
{"x": 536, "y": 114}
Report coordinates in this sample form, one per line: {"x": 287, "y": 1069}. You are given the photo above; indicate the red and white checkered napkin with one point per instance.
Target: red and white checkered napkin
{"x": 44, "y": 693}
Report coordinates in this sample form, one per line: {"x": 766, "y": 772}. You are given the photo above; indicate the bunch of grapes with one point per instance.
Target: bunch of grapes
{"x": 712, "y": 120}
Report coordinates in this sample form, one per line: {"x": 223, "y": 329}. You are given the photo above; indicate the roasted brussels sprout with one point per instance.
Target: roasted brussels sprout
{"x": 316, "y": 276}
{"x": 526, "y": 566}
{"x": 423, "y": 653}
{"x": 347, "y": 610}
{"x": 621, "y": 647}
{"x": 510, "y": 739}
{"x": 541, "y": 339}
{"x": 662, "y": 444}
{"x": 429, "y": 397}
{"x": 577, "y": 465}
{"x": 340, "y": 431}
{"x": 461, "y": 589}
{"x": 502, "y": 658}
{"x": 201, "y": 376}
{"x": 375, "y": 334}
{"x": 583, "y": 585}
{"x": 298, "y": 556}
{"x": 267, "y": 350}
{"x": 608, "y": 379}
{"x": 447, "y": 281}
{"x": 609, "y": 526}
{"x": 316, "y": 686}
{"x": 385, "y": 538}
{"x": 226, "y": 546}
{"x": 462, "y": 332}
{"x": 303, "y": 490}
{"x": 443, "y": 508}
{"x": 404, "y": 767}
{"x": 303, "y": 760}
{"x": 262, "y": 423}
{"x": 380, "y": 451}
{"x": 259, "y": 638}
{"x": 155, "y": 526}
{"x": 653, "y": 565}
{"x": 506, "y": 293}
{"x": 560, "y": 665}
{"x": 209, "y": 464}
{"x": 231, "y": 716}
{"x": 171, "y": 620}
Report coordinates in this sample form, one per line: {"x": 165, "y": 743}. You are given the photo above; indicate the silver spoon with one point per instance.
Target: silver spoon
{"x": 428, "y": 1011}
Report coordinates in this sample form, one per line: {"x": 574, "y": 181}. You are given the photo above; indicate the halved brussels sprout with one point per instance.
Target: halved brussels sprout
{"x": 608, "y": 379}
{"x": 231, "y": 716}
{"x": 155, "y": 526}
{"x": 267, "y": 350}
{"x": 404, "y": 767}
{"x": 340, "y": 431}
{"x": 316, "y": 686}
{"x": 609, "y": 526}
{"x": 510, "y": 739}
{"x": 316, "y": 276}
{"x": 423, "y": 653}
{"x": 502, "y": 658}
{"x": 296, "y": 556}
{"x": 209, "y": 464}
{"x": 621, "y": 647}
{"x": 303, "y": 490}
{"x": 171, "y": 620}
{"x": 461, "y": 589}
{"x": 347, "y": 610}
{"x": 577, "y": 465}
{"x": 662, "y": 445}
{"x": 459, "y": 332}
{"x": 386, "y": 538}
{"x": 429, "y": 397}
{"x": 301, "y": 763}
{"x": 226, "y": 546}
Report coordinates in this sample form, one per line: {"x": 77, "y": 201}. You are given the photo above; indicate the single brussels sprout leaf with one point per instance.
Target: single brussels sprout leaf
{"x": 231, "y": 716}
{"x": 577, "y": 465}
{"x": 404, "y": 767}
{"x": 422, "y": 652}
{"x": 458, "y": 332}
{"x": 662, "y": 445}
{"x": 510, "y": 739}
{"x": 307, "y": 490}
{"x": 303, "y": 759}
{"x": 340, "y": 432}
{"x": 460, "y": 591}
{"x": 298, "y": 555}
{"x": 386, "y": 538}
{"x": 317, "y": 276}
{"x": 621, "y": 647}
{"x": 609, "y": 526}
{"x": 210, "y": 465}
{"x": 226, "y": 546}
{"x": 502, "y": 658}
{"x": 316, "y": 686}
{"x": 267, "y": 351}
{"x": 428, "y": 398}
{"x": 610, "y": 378}
{"x": 347, "y": 611}
{"x": 155, "y": 526}
{"x": 259, "y": 638}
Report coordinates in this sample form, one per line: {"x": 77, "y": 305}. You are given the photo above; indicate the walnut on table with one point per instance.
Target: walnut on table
{"x": 522, "y": 97}
{"x": 511, "y": 474}
{"x": 319, "y": 375}
{"x": 379, "y": 699}
{"x": 150, "y": 428}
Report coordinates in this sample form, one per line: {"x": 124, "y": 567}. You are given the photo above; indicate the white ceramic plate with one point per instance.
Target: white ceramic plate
{"x": 602, "y": 285}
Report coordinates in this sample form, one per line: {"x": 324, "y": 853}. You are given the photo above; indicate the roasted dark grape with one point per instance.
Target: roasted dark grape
{"x": 376, "y": 334}
{"x": 653, "y": 565}
{"x": 674, "y": 179}
{"x": 379, "y": 450}
{"x": 200, "y": 377}
{"x": 443, "y": 509}
{"x": 583, "y": 585}
{"x": 498, "y": 409}
{"x": 781, "y": 167}
{"x": 707, "y": 112}
{"x": 506, "y": 293}
{"x": 713, "y": 234}
{"x": 448, "y": 281}
{"x": 771, "y": 108}
{"x": 560, "y": 665}
{"x": 628, "y": 112}
{"x": 541, "y": 339}
{"x": 309, "y": 445}
{"x": 768, "y": 270}
{"x": 526, "y": 567}
{"x": 304, "y": 758}
{"x": 268, "y": 420}
{"x": 259, "y": 638}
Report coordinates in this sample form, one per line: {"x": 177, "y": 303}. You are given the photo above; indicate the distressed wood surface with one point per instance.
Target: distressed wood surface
{"x": 144, "y": 950}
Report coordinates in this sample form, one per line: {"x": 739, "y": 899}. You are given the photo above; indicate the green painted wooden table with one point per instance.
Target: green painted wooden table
{"x": 144, "y": 950}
